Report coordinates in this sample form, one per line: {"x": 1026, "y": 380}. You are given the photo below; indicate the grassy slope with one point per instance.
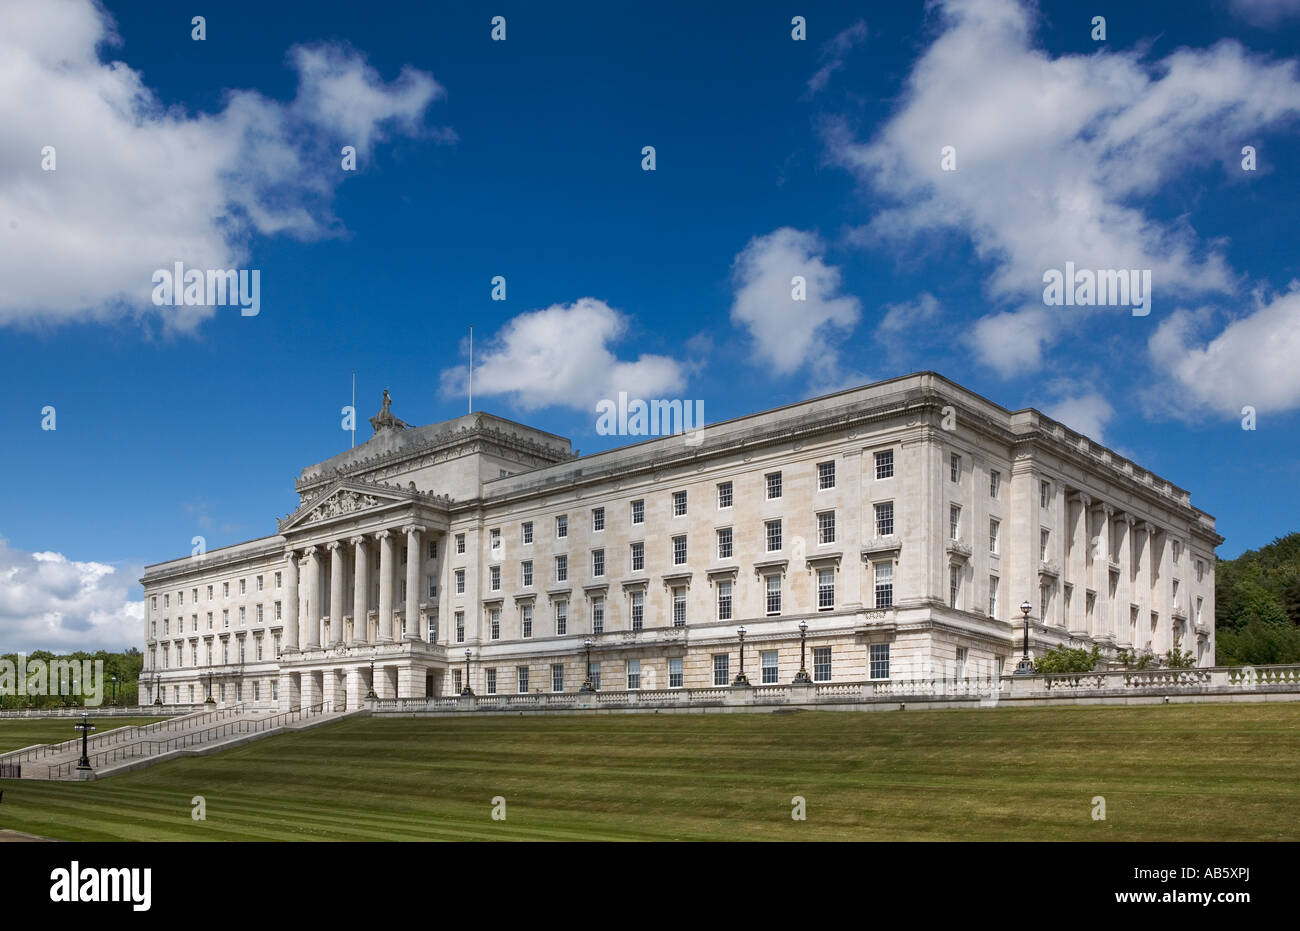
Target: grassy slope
{"x": 1187, "y": 772}
{"x": 16, "y": 733}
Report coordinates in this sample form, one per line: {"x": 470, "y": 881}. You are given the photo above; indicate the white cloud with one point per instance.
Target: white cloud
{"x": 1265, "y": 12}
{"x": 1013, "y": 343}
{"x": 139, "y": 186}
{"x": 1252, "y": 361}
{"x": 833, "y": 54}
{"x": 1056, "y": 155}
{"x": 789, "y": 333}
{"x": 1087, "y": 413}
{"x": 561, "y": 356}
{"x": 49, "y": 602}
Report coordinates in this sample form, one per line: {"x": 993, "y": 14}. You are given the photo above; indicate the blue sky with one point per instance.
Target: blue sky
{"x": 523, "y": 159}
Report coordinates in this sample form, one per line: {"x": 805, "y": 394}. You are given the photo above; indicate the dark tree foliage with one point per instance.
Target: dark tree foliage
{"x": 1257, "y": 605}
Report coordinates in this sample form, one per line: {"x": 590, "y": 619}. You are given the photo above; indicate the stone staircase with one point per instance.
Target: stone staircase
{"x": 126, "y": 748}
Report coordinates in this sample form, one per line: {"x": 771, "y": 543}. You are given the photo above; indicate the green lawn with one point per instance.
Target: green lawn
{"x": 1180, "y": 772}
{"x": 16, "y": 733}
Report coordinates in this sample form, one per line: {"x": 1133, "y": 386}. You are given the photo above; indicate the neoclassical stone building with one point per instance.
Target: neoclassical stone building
{"x": 901, "y": 524}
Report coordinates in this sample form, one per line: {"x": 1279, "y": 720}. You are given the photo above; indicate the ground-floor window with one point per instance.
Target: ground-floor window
{"x": 675, "y": 673}
{"x": 523, "y": 679}
{"x": 491, "y": 681}
{"x": 767, "y": 660}
{"x": 880, "y": 661}
{"x": 595, "y": 675}
{"x": 456, "y": 681}
{"x": 634, "y": 674}
{"x": 557, "y": 677}
{"x": 721, "y": 668}
{"x": 821, "y": 664}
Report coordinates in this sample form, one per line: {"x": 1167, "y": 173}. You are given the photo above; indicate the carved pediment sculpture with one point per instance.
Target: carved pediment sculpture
{"x": 345, "y": 502}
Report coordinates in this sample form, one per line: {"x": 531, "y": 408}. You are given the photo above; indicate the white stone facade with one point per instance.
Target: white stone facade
{"x": 868, "y": 515}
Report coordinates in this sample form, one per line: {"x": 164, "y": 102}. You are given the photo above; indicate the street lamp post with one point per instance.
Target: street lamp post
{"x": 1025, "y": 667}
{"x": 467, "y": 690}
{"x": 588, "y": 685}
{"x": 209, "y": 700}
{"x": 740, "y": 680}
{"x": 83, "y": 765}
{"x": 114, "y": 691}
{"x": 371, "y": 693}
{"x": 802, "y": 677}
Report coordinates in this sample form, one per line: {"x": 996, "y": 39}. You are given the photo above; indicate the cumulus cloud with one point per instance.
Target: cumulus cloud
{"x": 562, "y": 356}
{"x": 1059, "y": 158}
{"x": 1251, "y": 361}
{"x": 139, "y": 186}
{"x": 49, "y": 602}
{"x": 1265, "y": 12}
{"x": 1087, "y": 413}
{"x": 790, "y": 333}
{"x": 833, "y": 54}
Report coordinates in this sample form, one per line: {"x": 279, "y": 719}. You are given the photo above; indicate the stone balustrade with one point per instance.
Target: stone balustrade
{"x": 1121, "y": 686}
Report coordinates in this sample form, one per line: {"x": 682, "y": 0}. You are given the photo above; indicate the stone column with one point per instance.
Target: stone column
{"x": 360, "y": 591}
{"x": 414, "y": 537}
{"x": 1142, "y": 585}
{"x": 1102, "y": 619}
{"x": 290, "y": 601}
{"x": 385, "y": 539}
{"x": 1076, "y": 568}
{"x": 312, "y": 615}
{"x": 1124, "y": 593}
{"x": 336, "y": 591}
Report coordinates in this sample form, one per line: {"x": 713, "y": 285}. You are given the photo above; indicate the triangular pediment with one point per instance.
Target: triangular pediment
{"x": 346, "y": 497}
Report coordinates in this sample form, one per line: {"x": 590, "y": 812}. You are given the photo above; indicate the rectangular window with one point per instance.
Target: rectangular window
{"x": 460, "y": 581}
{"x": 259, "y": 617}
{"x": 561, "y": 526}
{"x": 880, "y": 661}
{"x": 597, "y": 520}
{"x": 561, "y": 568}
{"x": 675, "y": 672}
{"x": 243, "y": 586}
{"x": 821, "y": 664}
{"x": 597, "y": 563}
{"x": 773, "y": 534}
{"x": 825, "y": 527}
{"x": 724, "y": 601}
{"x": 962, "y": 653}
{"x": 768, "y": 663}
{"x": 522, "y": 673}
{"x": 885, "y": 519}
{"x": 277, "y": 615}
{"x": 593, "y": 671}
{"x": 638, "y": 610}
{"x": 773, "y": 595}
{"x": 633, "y": 674}
{"x": 885, "y": 464}
{"x": 526, "y": 532}
{"x": 954, "y": 585}
{"x": 825, "y": 475}
{"x": 1200, "y": 570}
{"x": 561, "y": 617}
{"x": 1044, "y": 537}
{"x": 954, "y": 467}
{"x": 460, "y": 626}
{"x": 225, "y": 592}
{"x": 557, "y": 677}
{"x": 460, "y": 543}
{"x": 721, "y": 669}
{"x": 679, "y": 606}
{"x": 277, "y": 586}
{"x": 526, "y": 621}
{"x": 724, "y": 495}
{"x": 994, "y": 527}
{"x": 433, "y": 549}
{"x": 598, "y": 615}
{"x": 638, "y": 557}
{"x": 1044, "y": 494}
{"x": 679, "y": 550}
{"x": 494, "y": 623}
{"x": 773, "y": 480}
{"x": 638, "y": 511}
{"x": 724, "y": 543}
{"x": 490, "y": 675}
{"x": 526, "y": 573}
{"x": 494, "y": 578}
{"x": 825, "y": 589}
{"x": 243, "y": 615}
{"x": 259, "y": 583}
{"x": 884, "y": 571}
{"x": 993, "y": 596}
{"x": 995, "y": 483}
{"x": 954, "y": 522}
{"x": 225, "y": 620}
{"x": 494, "y": 538}
{"x": 679, "y": 504}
